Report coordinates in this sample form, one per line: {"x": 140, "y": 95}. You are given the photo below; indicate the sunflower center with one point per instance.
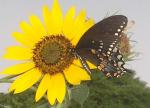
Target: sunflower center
{"x": 52, "y": 55}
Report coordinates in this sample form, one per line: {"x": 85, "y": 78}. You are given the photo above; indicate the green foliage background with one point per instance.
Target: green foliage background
{"x": 124, "y": 92}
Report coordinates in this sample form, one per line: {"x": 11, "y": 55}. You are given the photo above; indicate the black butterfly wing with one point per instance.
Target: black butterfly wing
{"x": 98, "y": 43}
{"x": 108, "y": 31}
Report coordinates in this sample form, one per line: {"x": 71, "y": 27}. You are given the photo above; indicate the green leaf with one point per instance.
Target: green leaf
{"x": 45, "y": 105}
{"x": 69, "y": 94}
{"x": 4, "y": 106}
{"x": 58, "y": 106}
{"x": 80, "y": 93}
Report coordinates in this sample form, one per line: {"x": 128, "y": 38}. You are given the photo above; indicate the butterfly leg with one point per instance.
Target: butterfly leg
{"x": 84, "y": 63}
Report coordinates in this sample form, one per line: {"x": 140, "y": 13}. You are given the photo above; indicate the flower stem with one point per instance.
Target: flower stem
{"x": 7, "y": 79}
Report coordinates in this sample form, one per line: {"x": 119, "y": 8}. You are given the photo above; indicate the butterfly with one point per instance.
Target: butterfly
{"x": 99, "y": 45}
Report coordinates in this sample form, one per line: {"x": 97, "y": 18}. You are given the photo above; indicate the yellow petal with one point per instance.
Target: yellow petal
{"x": 52, "y": 90}
{"x": 57, "y": 88}
{"x": 75, "y": 74}
{"x": 57, "y": 18}
{"x": 42, "y": 87}
{"x": 91, "y": 65}
{"x": 18, "y": 53}
{"x": 37, "y": 27}
{"x": 81, "y": 30}
{"x": 72, "y": 78}
{"x": 62, "y": 88}
{"x": 68, "y": 22}
{"x": 18, "y": 68}
{"x": 25, "y": 81}
{"x": 28, "y": 32}
{"x": 47, "y": 20}
{"x": 23, "y": 39}
{"x": 26, "y": 28}
{"x": 88, "y": 24}
{"x": 77, "y": 63}
{"x": 78, "y": 26}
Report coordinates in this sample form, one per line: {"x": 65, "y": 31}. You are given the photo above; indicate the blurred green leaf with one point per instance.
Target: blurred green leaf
{"x": 58, "y": 106}
{"x": 124, "y": 92}
{"x": 80, "y": 93}
{"x": 45, "y": 105}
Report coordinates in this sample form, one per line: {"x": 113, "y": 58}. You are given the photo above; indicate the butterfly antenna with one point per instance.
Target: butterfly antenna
{"x": 107, "y": 15}
{"x": 115, "y": 13}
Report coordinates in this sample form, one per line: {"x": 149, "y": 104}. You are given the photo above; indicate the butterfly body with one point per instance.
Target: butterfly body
{"x": 99, "y": 45}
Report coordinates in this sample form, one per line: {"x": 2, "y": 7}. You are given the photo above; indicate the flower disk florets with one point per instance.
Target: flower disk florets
{"x": 52, "y": 54}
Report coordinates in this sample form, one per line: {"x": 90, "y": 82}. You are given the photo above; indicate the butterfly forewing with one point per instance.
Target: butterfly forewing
{"x": 98, "y": 43}
{"x": 108, "y": 30}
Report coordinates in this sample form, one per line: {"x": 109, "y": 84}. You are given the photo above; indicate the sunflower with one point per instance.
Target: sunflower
{"x": 45, "y": 55}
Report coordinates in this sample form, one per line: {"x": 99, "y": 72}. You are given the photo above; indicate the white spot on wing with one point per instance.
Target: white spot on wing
{"x": 115, "y": 74}
{"x": 120, "y": 63}
{"x": 101, "y": 43}
{"x": 119, "y": 57}
{"x": 118, "y": 76}
{"x": 121, "y": 26}
{"x": 93, "y": 41}
{"x": 119, "y": 30}
{"x": 116, "y": 34}
{"x": 99, "y": 50}
{"x": 108, "y": 52}
{"x": 101, "y": 46}
{"x": 115, "y": 49}
{"x": 111, "y": 46}
{"x": 115, "y": 64}
{"x": 110, "y": 49}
